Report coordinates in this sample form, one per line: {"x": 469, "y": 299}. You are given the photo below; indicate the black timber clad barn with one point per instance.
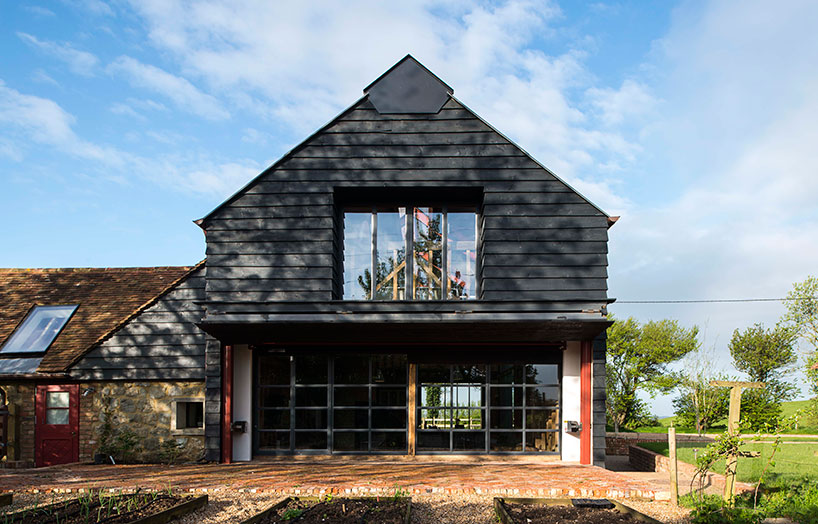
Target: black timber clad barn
{"x": 346, "y": 315}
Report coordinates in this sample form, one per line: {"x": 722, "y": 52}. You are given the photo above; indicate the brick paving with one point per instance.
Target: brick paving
{"x": 343, "y": 477}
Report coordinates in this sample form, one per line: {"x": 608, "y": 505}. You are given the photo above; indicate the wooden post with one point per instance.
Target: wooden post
{"x": 674, "y": 472}
{"x": 732, "y": 428}
{"x": 412, "y": 398}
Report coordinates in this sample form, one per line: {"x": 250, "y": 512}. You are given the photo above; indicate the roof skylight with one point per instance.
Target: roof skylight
{"x": 39, "y": 329}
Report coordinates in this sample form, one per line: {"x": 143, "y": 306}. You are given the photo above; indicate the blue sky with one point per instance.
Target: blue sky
{"x": 122, "y": 122}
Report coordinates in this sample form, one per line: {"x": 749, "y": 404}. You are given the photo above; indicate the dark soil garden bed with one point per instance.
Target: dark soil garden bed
{"x": 5, "y": 499}
{"x": 566, "y": 511}
{"x": 382, "y": 510}
{"x": 99, "y": 508}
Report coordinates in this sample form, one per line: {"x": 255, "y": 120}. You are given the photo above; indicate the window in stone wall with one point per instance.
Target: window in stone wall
{"x": 187, "y": 416}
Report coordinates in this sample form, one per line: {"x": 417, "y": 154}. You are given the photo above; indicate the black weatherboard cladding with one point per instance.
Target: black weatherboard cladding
{"x": 162, "y": 342}
{"x": 281, "y": 239}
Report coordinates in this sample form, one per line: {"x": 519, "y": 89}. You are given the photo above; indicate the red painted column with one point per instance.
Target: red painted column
{"x": 586, "y": 402}
{"x": 227, "y": 404}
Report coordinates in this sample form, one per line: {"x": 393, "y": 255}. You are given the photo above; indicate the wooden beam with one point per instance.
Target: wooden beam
{"x": 731, "y": 383}
{"x": 412, "y": 398}
{"x": 733, "y": 420}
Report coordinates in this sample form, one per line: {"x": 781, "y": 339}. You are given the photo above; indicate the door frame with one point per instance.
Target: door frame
{"x": 40, "y": 417}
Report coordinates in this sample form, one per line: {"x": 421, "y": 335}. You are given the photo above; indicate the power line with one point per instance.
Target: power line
{"x": 713, "y": 301}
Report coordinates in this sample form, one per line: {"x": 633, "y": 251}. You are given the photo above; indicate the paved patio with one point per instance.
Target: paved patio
{"x": 344, "y": 476}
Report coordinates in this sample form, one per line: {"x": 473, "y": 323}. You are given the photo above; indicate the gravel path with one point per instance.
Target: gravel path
{"x": 232, "y": 507}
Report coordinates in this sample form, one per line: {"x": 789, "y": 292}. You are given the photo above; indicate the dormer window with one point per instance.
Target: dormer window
{"x": 442, "y": 248}
{"x": 39, "y": 329}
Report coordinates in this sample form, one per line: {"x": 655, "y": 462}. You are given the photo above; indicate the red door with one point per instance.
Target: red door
{"x": 56, "y": 431}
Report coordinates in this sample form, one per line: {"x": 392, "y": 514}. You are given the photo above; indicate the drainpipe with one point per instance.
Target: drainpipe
{"x": 586, "y": 401}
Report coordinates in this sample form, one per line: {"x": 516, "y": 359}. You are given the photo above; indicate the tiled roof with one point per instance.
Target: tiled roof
{"x": 107, "y": 297}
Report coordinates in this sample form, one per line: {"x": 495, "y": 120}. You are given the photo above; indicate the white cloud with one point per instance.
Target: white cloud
{"x": 31, "y": 119}
{"x": 265, "y": 58}
{"x": 80, "y": 62}
{"x": 183, "y": 93}
{"x": 630, "y": 101}
{"x": 39, "y": 10}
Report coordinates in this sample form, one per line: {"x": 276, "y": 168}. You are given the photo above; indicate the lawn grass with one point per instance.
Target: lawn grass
{"x": 807, "y": 425}
{"x": 793, "y": 461}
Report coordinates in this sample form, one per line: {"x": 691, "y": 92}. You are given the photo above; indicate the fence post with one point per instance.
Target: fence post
{"x": 674, "y": 471}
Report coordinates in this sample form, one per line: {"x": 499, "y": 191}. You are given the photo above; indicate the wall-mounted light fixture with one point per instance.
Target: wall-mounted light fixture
{"x": 88, "y": 391}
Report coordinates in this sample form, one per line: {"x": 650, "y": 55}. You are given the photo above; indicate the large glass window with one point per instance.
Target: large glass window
{"x": 497, "y": 408}
{"x": 39, "y": 329}
{"x": 343, "y": 403}
{"x": 442, "y": 258}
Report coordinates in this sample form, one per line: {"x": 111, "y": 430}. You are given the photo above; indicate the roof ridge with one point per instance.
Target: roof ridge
{"x": 81, "y": 269}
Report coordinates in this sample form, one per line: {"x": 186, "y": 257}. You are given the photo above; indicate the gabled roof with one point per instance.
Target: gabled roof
{"x": 404, "y": 79}
{"x": 107, "y": 298}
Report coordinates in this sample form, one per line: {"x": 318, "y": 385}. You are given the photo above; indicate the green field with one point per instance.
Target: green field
{"x": 793, "y": 460}
{"x": 806, "y": 425}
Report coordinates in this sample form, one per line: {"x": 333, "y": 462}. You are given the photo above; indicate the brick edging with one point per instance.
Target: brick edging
{"x": 639, "y": 494}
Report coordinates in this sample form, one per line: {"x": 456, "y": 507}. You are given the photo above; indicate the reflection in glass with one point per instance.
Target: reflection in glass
{"x": 311, "y": 369}
{"x": 391, "y": 257}
{"x": 357, "y": 255}
{"x": 507, "y": 419}
{"x": 350, "y": 440}
{"x": 389, "y": 369}
{"x": 352, "y": 369}
{"x": 542, "y": 441}
{"x": 274, "y": 419}
{"x": 542, "y": 374}
{"x": 310, "y": 418}
{"x": 434, "y": 418}
{"x": 274, "y": 440}
{"x": 542, "y": 419}
{"x": 388, "y": 441}
{"x": 56, "y": 416}
{"x": 506, "y": 374}
{"x": 387, "y": 396}
{"x": 506, "y": 396}
{"x": 274, "y": 397}
{"x": 311, "y": 440}
{"x": 468, "y": 441}
{"x": 274, "y": 370}
{"x": 433, "y": 373}
{"x": 388, "y": 418}
{"x": 506, "y": 441}
{"x": 350, "y": 418}
{"x": 352, "y": 396}
{"x": 434, "y": 441}
{"x": 427, "y": 253}
{"x": 543, "y": 396}
{"x": 462, "y": 255}
{"x": 57, "y": 399}
{"x": 311, "y": 396}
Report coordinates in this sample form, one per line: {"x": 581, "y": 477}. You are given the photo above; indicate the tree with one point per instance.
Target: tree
{"x": 765, "y": 355}
{"x": 802, "y": 315}
{"x": 699, "y": 404}
{"x": 638, "y": 358}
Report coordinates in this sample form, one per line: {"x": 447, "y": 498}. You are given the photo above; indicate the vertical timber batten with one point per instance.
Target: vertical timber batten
{"x": 412, "y": 401}
{"x": 585, "y": 402}
{"x": 227, "y": 404}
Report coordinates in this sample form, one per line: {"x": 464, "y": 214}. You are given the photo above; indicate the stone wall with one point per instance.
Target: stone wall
{"x": 21, "y": 396}
{"x": 144, "y": 408}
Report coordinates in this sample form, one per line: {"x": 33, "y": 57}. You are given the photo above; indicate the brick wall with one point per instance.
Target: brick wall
{"x": 642, "y": 459}
{"x": 619, "y": 443}
{"x": 21, "y": 395}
